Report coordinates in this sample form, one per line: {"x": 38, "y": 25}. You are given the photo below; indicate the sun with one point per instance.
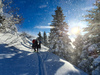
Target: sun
{"x": 75, "y": 30}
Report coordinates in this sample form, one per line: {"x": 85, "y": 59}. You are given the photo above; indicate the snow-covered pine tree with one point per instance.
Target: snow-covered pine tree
{"x": 1, "y": 19}
{"x": 93, "y": 19}
{"x": 40, "y": 37}
{"x": 92, "y": 39}
{"x": 78, "y": 43}
{"x": 9, "y": 19}
{"x": 1, "y": 12}
{"x": 58, "y": 38}
{"x": 45, "y": 39}
{"x": 1, "y": 6}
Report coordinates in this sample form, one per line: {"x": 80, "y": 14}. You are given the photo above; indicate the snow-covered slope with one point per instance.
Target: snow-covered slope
{"x": 16, "y": 41}
{"x": 17, "y": 58}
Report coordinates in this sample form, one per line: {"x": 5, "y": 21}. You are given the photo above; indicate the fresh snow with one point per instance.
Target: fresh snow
{"x": 96, "y": 63}
{"x": 17, "y": 58}
{"x": 92, "y": 47}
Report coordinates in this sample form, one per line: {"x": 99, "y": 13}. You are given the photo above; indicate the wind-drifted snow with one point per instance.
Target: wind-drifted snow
{"x": 17, "y": 58}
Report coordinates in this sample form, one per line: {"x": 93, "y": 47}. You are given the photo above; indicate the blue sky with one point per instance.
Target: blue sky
{"x": 37, "y": 13}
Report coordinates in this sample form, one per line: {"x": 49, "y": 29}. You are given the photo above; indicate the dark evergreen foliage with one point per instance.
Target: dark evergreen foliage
{"x": 58, "y": 39}
{"x": 45, "y": 39}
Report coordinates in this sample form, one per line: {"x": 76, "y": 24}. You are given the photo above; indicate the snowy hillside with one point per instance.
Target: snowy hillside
{"x": 17, "y": 41}
{"x": 17, "y": 58}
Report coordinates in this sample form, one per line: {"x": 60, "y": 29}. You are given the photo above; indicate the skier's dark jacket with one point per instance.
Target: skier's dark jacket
{"x": 35, "y": 44}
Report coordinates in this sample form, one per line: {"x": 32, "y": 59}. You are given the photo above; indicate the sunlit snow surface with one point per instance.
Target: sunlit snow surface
{"x": 17, "y": 58}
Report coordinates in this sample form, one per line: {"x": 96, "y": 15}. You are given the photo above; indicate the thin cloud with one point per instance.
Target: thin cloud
{"x": 43, "y": 27}
{"x": 42, "y": 6}
{"x": 87, "y": 8}
{"x": 49, "y": 23}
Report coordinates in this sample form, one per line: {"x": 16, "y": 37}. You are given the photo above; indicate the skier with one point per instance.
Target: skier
{"x": 35, "y": 45}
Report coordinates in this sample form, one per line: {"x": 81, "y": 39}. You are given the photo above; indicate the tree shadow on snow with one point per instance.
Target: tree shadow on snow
{"x": 25, "y": 45}
{"x": 51, "y": 62}
{"x": 17, "y": 62}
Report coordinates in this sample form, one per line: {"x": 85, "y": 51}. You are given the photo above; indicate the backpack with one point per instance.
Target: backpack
{"x": 33, "y": 41}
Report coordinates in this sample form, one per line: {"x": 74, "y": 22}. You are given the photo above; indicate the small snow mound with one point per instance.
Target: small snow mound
{"x": 92, "y": 48}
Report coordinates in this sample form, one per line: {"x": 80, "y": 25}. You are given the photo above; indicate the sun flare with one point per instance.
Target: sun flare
{"x": 75, "y": 30}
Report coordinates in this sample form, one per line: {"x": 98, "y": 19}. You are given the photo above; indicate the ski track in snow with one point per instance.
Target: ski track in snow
{"x": 21, "y": 60}
{"x": 42, "y": 69}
